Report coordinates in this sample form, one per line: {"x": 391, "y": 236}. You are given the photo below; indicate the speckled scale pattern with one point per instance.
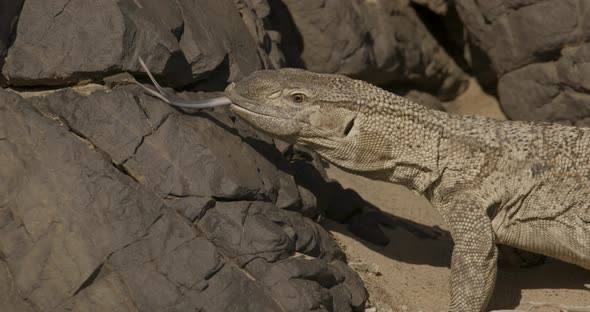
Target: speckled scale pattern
{"x": 522, "y": 184}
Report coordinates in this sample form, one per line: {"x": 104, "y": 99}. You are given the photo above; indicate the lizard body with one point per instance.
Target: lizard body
{"x": 521, "y": 184}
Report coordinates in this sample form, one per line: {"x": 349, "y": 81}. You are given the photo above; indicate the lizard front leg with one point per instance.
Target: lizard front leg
{"x": 473, "y": 264}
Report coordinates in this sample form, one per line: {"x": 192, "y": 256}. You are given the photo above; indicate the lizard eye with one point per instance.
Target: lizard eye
{"x": 298, "y": 97}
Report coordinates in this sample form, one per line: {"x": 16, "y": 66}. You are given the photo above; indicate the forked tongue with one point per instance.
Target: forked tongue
{"x": 215, "y": 102}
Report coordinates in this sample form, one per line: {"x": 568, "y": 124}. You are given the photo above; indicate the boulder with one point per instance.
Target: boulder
{"x": 383, "y": 42}
{"x": 554, "y": 91}
{"x": 538, "y": 51}
{"x": 517, "y": 33}
{"x": 114, "y": 201}
{"x": 69, "y": 41}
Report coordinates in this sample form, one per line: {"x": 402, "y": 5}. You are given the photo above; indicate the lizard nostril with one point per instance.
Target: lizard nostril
{"x": 349, "y": 127}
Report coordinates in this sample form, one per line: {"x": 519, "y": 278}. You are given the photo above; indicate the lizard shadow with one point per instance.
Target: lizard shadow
{"x": 405, "y": 240}
{"x": 419, "y": 244}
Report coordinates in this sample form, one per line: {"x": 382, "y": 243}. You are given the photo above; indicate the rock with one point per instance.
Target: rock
{"x": 244, "y": 231}
{"x": 537, "y": 51}
{"x": 254, "y": 12}
{"x": 66, "y": 207}
{"x": 9, "y": 298}
{"x": 64, "y": 42}
{"x": 288, "y": 195}
{"x": 173, "y": 155}
{"x": 334, "y": 35}
{"x": 83, "y": 227}
{"x": 158, "y": 272}
{"x": 309, "y": 203}
{"x": 383, "y": 42}
{"x": 517, "y": 33}
{"x": 9, "y": 11}
{"x": 410, "y": 55}
{"x": 118, "y": 80}
{"x": 192, "y": 207}
{"x": 321, "y": 284}
{"x": 552, "y": 91}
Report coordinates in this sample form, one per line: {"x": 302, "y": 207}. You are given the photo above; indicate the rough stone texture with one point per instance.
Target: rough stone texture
{"x": 254, "y": 12}
{"x": 9, "y": 11}
{"x": 437, "y": 6}
{"x": 383, "y": 42}
{"x": 556, "y": 91}
{"x": 67, "y": 41}
{"x": 111, "y": 202}
{"x": 539, "y": 51}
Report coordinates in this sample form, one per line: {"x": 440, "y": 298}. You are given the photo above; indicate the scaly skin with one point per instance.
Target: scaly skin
{"x": 520, "y": 184}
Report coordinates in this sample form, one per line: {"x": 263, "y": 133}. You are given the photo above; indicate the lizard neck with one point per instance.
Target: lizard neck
{"x": 397, "y": 141}
{"x": 414, "y": 135}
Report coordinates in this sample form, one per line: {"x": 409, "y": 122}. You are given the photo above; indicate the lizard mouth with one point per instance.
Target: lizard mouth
{"x": 244, "y": 112}
{"x": 244, "y": 107}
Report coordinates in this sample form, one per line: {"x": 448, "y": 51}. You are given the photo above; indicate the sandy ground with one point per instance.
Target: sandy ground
{"x": 411, "y": 273}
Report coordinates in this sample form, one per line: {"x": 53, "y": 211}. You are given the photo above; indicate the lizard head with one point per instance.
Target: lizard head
{"x": 295, "y": 105}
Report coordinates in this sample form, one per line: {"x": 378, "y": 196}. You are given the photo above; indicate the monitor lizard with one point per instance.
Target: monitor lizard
{"x": 521, "y": 184}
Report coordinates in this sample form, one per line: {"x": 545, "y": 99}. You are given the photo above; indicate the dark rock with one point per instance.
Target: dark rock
{"x": 310, "y": 238}
{"x": 309, "y": 203}
{"x": 383, "y": 42}
{"x": 172, "y": 154}
{"x": 246, "y": 230}
{"x": 9, "y": 298}
{"x": 288, "y": 196}
{"x": 193, "y": 208}
{"x": 225, "y": 40}
{"x": 310, "y": 284}
{"x": 70, "y": 199}
{"x": 173, "y": 268}
{"x": 118, "y": 80}
{"x": 334, "y": 35}
{"x": 517, "y": 33}
{"x": 353, "y": 283}
{"x": 537, "y": 50}
{"x": 9, "y": 11}
{"x": 114, "y": 121}
{"x": 70, "y": 208}
{"x": 254, "y": 12}
{"x": 406, "y": 53}
{"x": 553, "y": 91}
{"x": 63, "y": 42}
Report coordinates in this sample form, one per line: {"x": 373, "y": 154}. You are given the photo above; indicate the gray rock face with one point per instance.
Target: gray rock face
{"x": 383, "y": 42}
{"x": 9, "y": 11}
{"x": 538, "y": 51}
{"x": 116, "y": 202}
{"x": 70, "y": 41}
{"x": 557, "y": 91}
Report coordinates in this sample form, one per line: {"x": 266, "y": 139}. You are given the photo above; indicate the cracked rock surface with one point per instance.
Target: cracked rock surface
{"x": 68, "y": 41}
{"x": 380, "y": 41}
{"x": 114, "y": 201}
{"x": 539, "y": 52}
